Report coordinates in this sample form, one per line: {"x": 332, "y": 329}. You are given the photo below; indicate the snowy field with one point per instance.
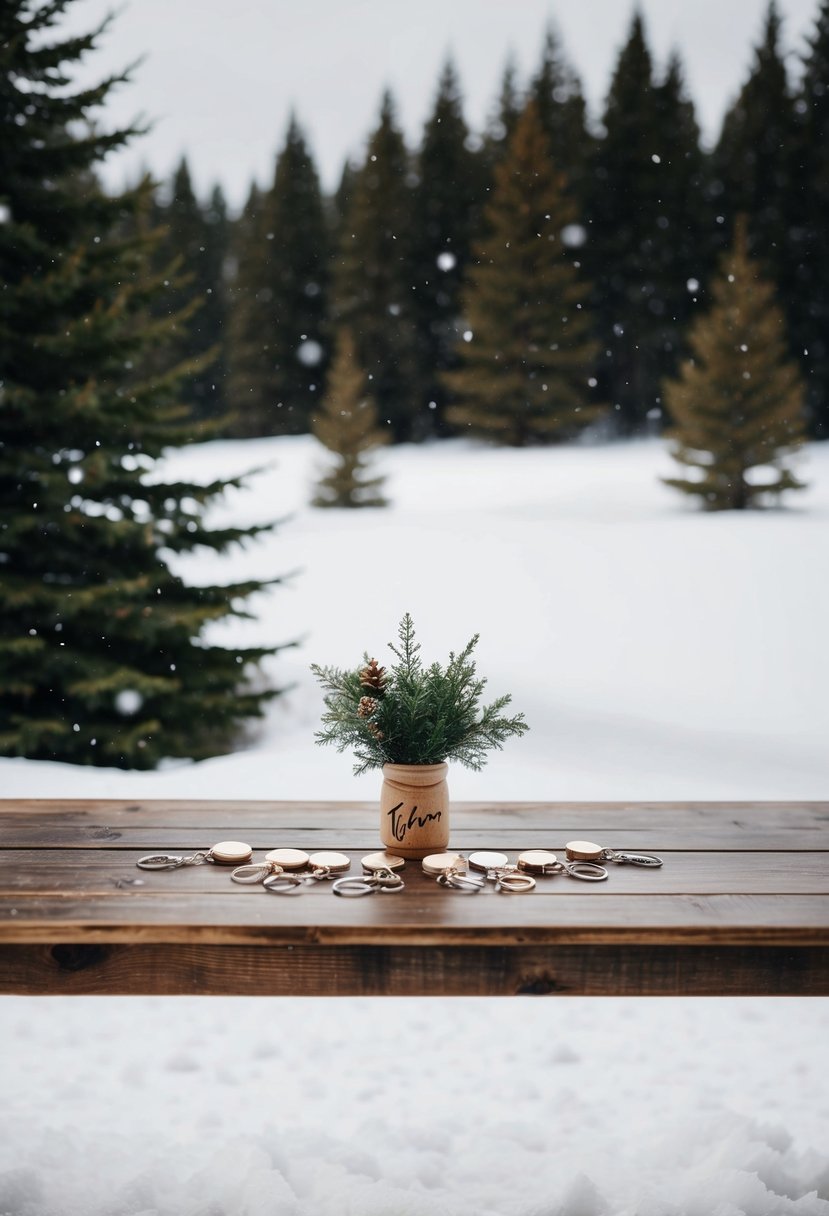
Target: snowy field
{"x": 656, "y": 653}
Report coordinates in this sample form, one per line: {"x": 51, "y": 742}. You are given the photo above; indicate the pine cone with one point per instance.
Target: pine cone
{"x": 375, "y": 730}
{"x": 373, "y": 678}
{"x": 366, "y": 707}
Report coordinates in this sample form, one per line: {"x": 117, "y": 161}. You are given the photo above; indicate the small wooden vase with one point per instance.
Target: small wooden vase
{"x": 414, "y": 809}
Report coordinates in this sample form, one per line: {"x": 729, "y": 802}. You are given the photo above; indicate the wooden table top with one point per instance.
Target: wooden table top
{"x": 740, "y": 905}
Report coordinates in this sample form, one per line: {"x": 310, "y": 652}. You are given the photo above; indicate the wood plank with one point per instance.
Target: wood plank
{"x": 98, "y": 871}
{"x": 219, "y": 814}
{"x": 27, "y": 833}
{"x": 635, "y": 919}
{"x": 308, "y": 970}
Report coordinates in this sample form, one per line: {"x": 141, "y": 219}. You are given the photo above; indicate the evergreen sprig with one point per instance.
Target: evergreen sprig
{"x": 421, "y": 715}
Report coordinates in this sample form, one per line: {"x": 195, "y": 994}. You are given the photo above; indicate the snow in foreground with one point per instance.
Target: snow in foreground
{"x": 656, "y": 653}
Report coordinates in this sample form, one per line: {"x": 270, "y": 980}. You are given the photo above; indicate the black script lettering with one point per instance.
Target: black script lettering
{"x": 400, "y": 826}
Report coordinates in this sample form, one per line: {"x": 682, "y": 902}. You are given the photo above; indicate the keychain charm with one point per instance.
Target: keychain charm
{"x": 381, "y": 879}
{"x": 450, "y": 871}
{"x": 498, "y": 870}
{"x": 225, "y": 853}
{"x": 318, "y": 867}
{"x": 541, "y": 861}
{"x": 382, "y": 861}
{"x": 585, "y": 850}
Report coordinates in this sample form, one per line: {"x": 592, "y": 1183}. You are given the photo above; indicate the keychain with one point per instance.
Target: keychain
{"x": 380, "y": 879}
{"x": 225, "y": 853}
{"x": 297, "y": 862}
{"x": 585, "y": 850}
{"x": 450, "y": 871}
{"x": 541, "y": 861}
{"x": 497, "y": 868}
{"x": 319, "y": 867}
{"x": 382, "y": 861}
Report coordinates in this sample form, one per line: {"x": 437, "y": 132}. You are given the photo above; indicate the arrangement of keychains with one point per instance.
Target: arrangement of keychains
{"x": 286, "y": 871}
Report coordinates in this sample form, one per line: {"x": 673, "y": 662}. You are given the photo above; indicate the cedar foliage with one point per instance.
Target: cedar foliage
{"x": 103, "y": 658}
{"x": 523, "y": 376}
{"x": 347, "y": 426}
{"x": 737, "y": 405}
{"x": 414, "y": 714}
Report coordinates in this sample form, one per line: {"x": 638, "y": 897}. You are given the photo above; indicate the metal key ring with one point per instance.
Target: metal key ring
{"x": 255, "y": 873}
{"x": 353, "y": 886}
{"x": 587, "y": 871}
{"x": 460, "y": 881}
{"x": 514, "y": 882}
{"x": 282, "y": 883}
{"x": 160, "y": 861}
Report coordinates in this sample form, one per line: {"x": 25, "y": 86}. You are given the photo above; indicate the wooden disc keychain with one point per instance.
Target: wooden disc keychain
{"x": 542, "y": 861}
{"x": 585, "y": 850}
{"x": 225, "y": 853}
{"x": 450, "y": 870}
{"x": 498, "y": 870}
{"x": 316, "y": 867}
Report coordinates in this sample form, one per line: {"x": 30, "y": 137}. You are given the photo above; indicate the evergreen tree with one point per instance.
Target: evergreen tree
{"x": 191, "y": 254}
{"x": 347, "y": 425}
{"x": 102, "y": 653}
{"x": 248, "y": 378}
{"x": 738, "y": 402}
{"x": 505, "y": 118}
{"x": 556, "y": 90}
{"x": 524, "y": 370}
{"x": 281, "y": 298}
{"x": 446, "y": 204}
{"x": 809, "y": 302}
{"x": 374, "y": 277}
{"x": 752, "y": 163}
{"x": 644, "y": 168}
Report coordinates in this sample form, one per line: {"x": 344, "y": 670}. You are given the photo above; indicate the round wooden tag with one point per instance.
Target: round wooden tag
{"x": 231, "y": 852}
{"x": 335, "y": 862}
{"x": 583, "y": 850}
{"x": 382, "y": 861}
{"x": 536, "y": 861}
{"x": 487, "y": 861}
{"x": 439, "y": 863}
{"x": 289, "y": 859}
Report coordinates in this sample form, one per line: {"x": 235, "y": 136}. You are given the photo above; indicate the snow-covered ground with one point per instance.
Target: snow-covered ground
{"x": 656, "y": 653}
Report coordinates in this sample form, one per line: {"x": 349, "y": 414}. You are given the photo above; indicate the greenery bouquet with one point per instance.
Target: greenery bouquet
{"x": 413, "y": 714}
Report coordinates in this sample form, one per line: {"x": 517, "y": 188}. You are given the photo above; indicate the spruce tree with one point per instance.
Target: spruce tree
{"x": 809, "y": 301}
{"x": 373, "y": 279}
{"x": 504, "y": 118}
{"x": 248, "y": 372}
{"x": 446, "y": 205}
{"x": 527, "y": 354}
{"x": 103, "y": 658}
{"x": 557, "y": 92}
{"x": 281, "y": 298}
{"x": 737, "y": 405}
{"x": 643, "y": 168}
{"x": 752, "y": 163}
{"x": 191, "y": 255}
{"x": 347, "y": 425}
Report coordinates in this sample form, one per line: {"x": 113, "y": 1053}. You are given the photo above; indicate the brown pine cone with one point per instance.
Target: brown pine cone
{"x": 366, "y": 707}
{"x": 373, "y": 678}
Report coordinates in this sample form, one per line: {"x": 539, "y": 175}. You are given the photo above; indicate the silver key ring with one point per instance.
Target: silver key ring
{"x": 380, "y": 880}
{"x": 255, "y": 873}
{"x": 170, "y": 861}
{"x": 586, "y": 850}
{"x": 459, "y": 880}
{"x": 542, "y": 861}
{"x": 282, "y": 883}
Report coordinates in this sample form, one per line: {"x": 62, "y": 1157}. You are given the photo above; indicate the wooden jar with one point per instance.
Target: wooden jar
{"x": 414, "y": 809}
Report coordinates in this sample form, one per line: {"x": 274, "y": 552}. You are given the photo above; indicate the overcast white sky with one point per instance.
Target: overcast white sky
{"x": 220, "y": 76}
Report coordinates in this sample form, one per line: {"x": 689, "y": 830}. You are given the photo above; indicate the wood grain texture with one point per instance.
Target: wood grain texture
{"x": 199, "y": 970}
{"x": 741, "y": 904}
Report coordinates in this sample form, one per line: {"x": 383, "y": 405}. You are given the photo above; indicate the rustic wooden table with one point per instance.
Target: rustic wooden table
{"x": 739, "y": 907}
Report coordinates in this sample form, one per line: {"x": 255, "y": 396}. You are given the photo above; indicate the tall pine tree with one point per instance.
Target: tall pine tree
{"x": 280, "y": 299}
{"x": 103, "y": 658}
{"x": 737, "y": 405}
{"x": 446, "y": 206}
{"x": 526, "y": 358}
{"x": 644, "y": 167}
{"x": 809, "y": 301}
{"x": 752, "y": 163}
{"x": 557, "y": 92}
{"x": 374, "y": 278}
